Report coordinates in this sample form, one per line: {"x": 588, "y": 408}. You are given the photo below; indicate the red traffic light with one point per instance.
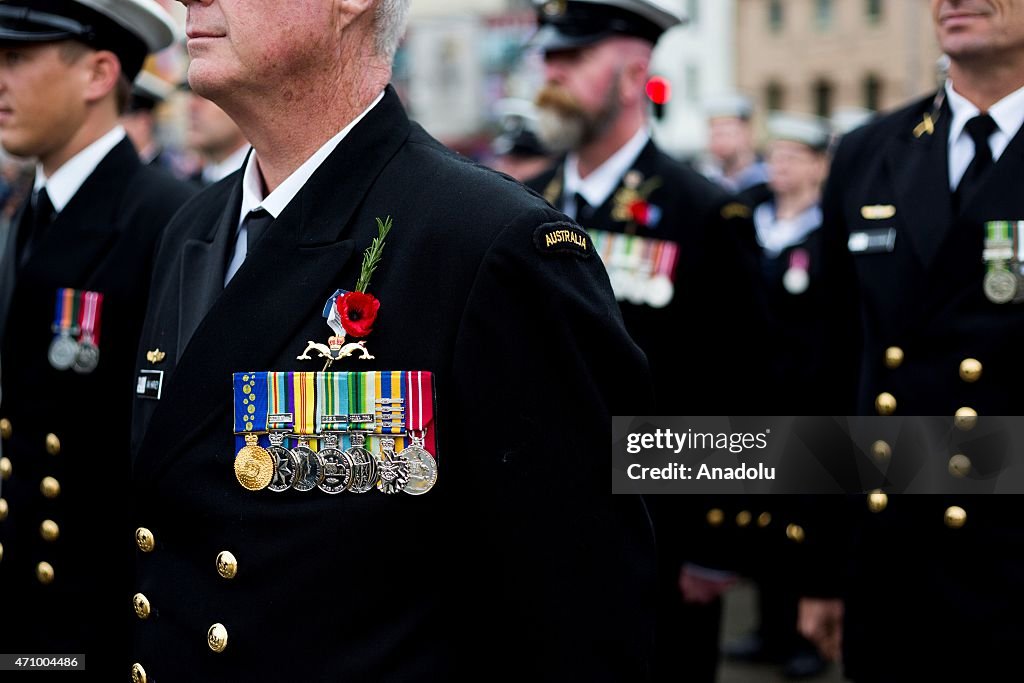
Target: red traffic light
{"x": 659, "y": 90}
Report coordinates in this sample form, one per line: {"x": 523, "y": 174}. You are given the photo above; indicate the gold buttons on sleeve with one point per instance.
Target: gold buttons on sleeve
{"x": 1, "y": 552}
{"x": 217, "y": 638}
{"x": 970, "y": 370}
{"x": 142, "y": 607}
{"x": 885, "y": 403}
{"x": 795, "y": 533}
{"x": 877, "y": 501}
{"x": 138, "y": 674}
{"x": 227, "y": 565}
{"x": 743, "y": 518}
{"x": 4, "y": 509}
{"x": 5, "y": 468}
{"x": 959, "y": 466}
{"x": 44, "y": 572}
{"x": 965, "y": 419}
{"x": 52, "y": 444}
{"x": 144, "y": 539}
{"x": 881, "y": 450}
{"x": 49, "y": 530}
{"x": 5, "y": 429}
{"x": 715, "y": 517}
{"x": 956, "y": 517}
{"x": 764, "y": 519}
{"x": 49, "y": 487}
{"x": 893, "y": 357}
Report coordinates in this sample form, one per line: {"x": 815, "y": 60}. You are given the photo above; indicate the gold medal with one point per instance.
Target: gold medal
{"x": 254, "y": 466}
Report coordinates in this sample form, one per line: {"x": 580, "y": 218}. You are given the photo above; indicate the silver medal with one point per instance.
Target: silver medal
{"x": 337, "y": 467}
{"x": 422, "y": 469}
{"x": 87, "y": 358}
{"x": 286, "y": 465}
{"x": 63, "y": 351}
{"x": 364, "y": 465}
{"x": 1000, "y": 286}
{"x": 394, "y": 469}
{"x": 311, "y": 468}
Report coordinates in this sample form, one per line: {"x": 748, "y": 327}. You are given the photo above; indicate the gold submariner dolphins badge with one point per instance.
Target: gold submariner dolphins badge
{"x": 352, "y": 314}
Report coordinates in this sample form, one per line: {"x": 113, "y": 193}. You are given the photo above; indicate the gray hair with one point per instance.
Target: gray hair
{"x": 390, "y": 18}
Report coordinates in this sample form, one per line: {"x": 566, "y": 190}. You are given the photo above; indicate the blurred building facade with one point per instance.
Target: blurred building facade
{"x": 820, "y": 56}
{"x": 699, "y": 60}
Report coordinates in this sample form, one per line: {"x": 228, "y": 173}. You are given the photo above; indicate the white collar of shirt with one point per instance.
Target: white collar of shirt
{"x": 65, "y": 181}
{"x": 599, "y": 185}
{"x": 275, "y": 202}
{"x": 215, "y": 172}
{"x": 775, "y": 234}
{"x": 1008, "y": 113}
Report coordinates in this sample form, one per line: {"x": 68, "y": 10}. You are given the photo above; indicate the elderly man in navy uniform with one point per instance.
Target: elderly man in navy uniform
{"x": 74, "y": 281}
{"x": 518, "y": 564}
{"x": 922, "y": 219}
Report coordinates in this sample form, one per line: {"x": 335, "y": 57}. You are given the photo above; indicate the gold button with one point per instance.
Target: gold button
{"x": 52, "y": 444}
{"x": 970, "y": 370}
{"x": 138, "y": 673}
{"x": 885, "y": 404}
{"x": 1, "y": 552}
{"x": 715, "y": 517}
{"x": 965, "y": 419}
{"x": 956, "y": 517}
{"x": 49, "y": 487}
{"x": 49, "y": 530}
{"x": 4, "y": 509}
{"x": 795, "y": 533}
{"x": 881, "y": 450}
{"x": 44, "y": 572}
{"x": 5, "y": 468}
{"x": 743, "y": 518}
{"x": 893, "y": 357}
{"x": 227, "y": 565}
{"x": 141, "y": 604}
{"x": 877, "y": 501}
{"x": 217, "y": 638}
{"x": 959, "y": 466}
{"x": 5, "y": 429}
{"x": 144, "y": 539}
{"x": 764, "y": 519}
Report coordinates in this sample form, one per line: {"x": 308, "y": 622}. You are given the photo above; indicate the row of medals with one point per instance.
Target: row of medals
{"x": 66, "y": 354}
{"x": 332, "y": 470}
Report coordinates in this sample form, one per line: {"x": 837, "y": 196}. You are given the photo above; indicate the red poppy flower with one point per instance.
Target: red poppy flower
{"x": 358, "y": 311}
{"x": 638, "y": 211}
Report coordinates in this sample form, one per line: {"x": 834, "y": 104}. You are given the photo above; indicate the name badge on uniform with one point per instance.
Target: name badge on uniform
{"x": 149, "y": 384}
{"x": 878, "y": 241}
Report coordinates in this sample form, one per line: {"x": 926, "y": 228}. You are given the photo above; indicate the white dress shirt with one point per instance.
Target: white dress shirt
{"x": 275, "y": 202}
{"x": 599, "y": 185}
{"x": 1008, "y": 113}
{"x": 213, "y": 173}
{"x": 66, "y": 180}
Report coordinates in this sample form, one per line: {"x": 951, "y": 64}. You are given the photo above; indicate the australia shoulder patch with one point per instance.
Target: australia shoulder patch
{"x": 563, "y": 238}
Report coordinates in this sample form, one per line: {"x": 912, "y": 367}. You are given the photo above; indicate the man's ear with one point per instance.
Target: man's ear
{"x": 102, "y": 71}
{"x": 350, "y": 10}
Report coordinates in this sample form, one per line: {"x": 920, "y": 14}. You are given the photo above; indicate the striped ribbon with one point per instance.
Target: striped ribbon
{"x": 641, "y": 255}
{"x": 419, "y": 413}
{"x": 66, "y": 313}
{"x": 304, "y": 392}
{"x": 282, "y": 401}
{"x": 91, "y": 314}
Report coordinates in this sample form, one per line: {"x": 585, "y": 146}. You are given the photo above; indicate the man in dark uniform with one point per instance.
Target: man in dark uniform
{"x": 934, "y": 290}
{"x": 74, "y": 280}
{"x": 680, "y": 254}
{"x": 518, "y": 564}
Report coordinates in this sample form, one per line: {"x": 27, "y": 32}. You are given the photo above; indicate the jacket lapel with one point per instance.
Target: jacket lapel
{"x": 280, "y": 288}
{"x": 201, "y": 279}
{"x": 918, "y": 165}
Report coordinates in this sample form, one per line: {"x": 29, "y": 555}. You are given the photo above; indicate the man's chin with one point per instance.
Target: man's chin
{"x": 558, "y": 133}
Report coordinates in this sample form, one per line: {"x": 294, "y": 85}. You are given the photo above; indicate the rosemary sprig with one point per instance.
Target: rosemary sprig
{"x": 372, "y": 256}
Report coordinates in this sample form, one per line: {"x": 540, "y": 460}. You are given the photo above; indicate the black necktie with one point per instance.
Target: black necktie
{"x": 583, "y": 209}
{"x": 980, "y": 128}
{"x": 32, "y": 232}
{"x": 256, "y": 223}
